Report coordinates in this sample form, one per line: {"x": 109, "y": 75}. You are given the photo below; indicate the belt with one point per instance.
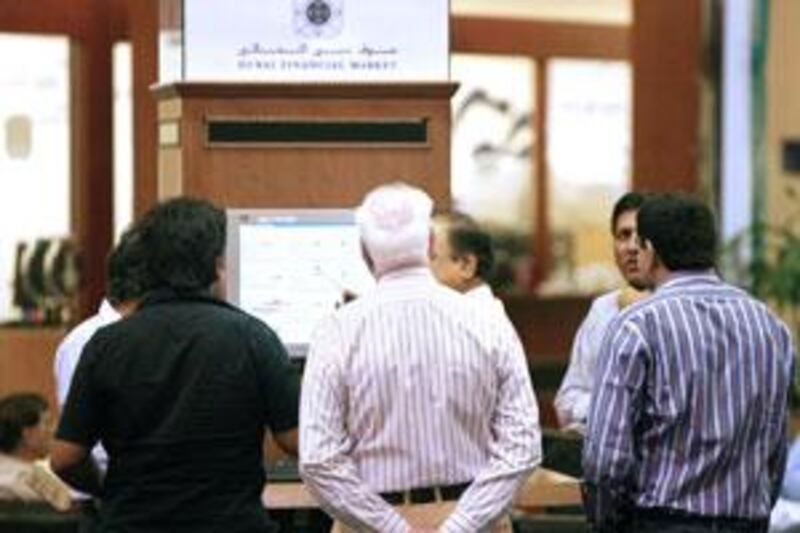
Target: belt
{"x": 426, "y": 494}
{"x": 676, "y": 515}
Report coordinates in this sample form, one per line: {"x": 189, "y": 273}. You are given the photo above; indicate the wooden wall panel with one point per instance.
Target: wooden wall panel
{"x": 92, "y": 139}
{"x": 73, "y": 18}
{"x": 26, "y": 360}
{"x": 666, "y": 53}
{"x": 144, "y": 38}
{"x": 92, "y": 26}
{"x": 486, "y": 35}
{"x": 547, "y": 327}
{"x": 318, "y": 175}
{"x": 541, "y": 246}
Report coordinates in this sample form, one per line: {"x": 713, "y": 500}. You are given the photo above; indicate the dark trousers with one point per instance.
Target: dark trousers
{"x": 647, "y": 521}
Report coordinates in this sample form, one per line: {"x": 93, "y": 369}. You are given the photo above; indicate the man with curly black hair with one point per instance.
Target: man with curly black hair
{"x": 126, "y": 284}
{"x": 179, "y": 393}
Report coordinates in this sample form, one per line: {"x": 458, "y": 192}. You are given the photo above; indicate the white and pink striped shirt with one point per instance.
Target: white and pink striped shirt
{"x": 415, "y": 385}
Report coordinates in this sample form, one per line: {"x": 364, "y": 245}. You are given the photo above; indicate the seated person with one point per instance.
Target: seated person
{"x": 25, "y": 435}
{"x": 179, "y": 393}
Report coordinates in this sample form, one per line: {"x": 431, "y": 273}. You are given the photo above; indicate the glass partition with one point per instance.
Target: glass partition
{"x": 492, "y": 155}
{"x": 589, "y": 162}
{"x": 34, "y": 147}
{"x": 123, "y": 138}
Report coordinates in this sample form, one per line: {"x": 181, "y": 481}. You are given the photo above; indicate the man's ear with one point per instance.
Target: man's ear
{"x": 657, "y": 262}
{"x": 367, "y": 259}
{"x": 469, "y": 265}
{"x": 25, "y": 437}
{"x": 220, "y": 286}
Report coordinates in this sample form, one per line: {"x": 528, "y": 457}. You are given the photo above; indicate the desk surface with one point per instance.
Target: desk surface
{"x": 544, "y": 488}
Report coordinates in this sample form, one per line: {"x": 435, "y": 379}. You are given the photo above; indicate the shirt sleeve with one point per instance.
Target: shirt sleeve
{"x": 791, "y": 480}
{"x": 574, "y": 395}
{"x": 325, "y": 465}
{"x": 515, "y": 449}
{"x": 279, "y": 380}
{"x": 65, "y": 362}
{"x": 784, "y": 465}
{"x": 608, "y": 455}
{"x": 572, "y": 400}
{"x": 82, "y": 412}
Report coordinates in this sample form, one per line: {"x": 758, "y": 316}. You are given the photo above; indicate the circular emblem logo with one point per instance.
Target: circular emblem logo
{"x": 318, "y": 18}
{"x": 318, "y": 12}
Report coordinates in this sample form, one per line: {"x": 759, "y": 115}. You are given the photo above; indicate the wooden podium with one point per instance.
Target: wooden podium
{"x": 302, "y": 144}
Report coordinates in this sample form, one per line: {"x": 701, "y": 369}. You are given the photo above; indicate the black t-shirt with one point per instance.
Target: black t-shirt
{"x": 179, "y": 394}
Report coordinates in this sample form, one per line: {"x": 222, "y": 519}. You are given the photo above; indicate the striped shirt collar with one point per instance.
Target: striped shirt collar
{"x": 689, "y": 278}
{"x": 407, "y": 276}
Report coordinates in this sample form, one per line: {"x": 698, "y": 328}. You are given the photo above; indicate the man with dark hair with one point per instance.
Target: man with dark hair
{"x": 462, "y": 256}
{"x": 126, "y": 283}
{"x": 687, "y": 429}
{"x": 180, "y": 391}
{"x": 572, "y": 400}
{"x": 24, "y": 423}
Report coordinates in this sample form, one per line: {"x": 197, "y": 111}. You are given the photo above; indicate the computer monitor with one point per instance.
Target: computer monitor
{"x": 290, "y": 268}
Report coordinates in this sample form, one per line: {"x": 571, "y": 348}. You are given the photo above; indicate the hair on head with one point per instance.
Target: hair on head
{"x": 465, "y": 237}
{"x": 126, "y": 269}
{"x": 681, "y": 229}
{"x": 394, "y": 222}
{"x": 17, "y": 412}
{"x": 184, "y": 239}
{"x": 630, "y": 201}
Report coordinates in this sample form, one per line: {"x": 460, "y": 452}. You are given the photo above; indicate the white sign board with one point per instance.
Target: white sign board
{"x": 316, "y": 40}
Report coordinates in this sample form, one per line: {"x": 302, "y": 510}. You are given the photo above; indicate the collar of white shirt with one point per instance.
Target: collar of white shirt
{"x": 481, "y": 292}
{"x": 407, "y": 276}
{"x": 107, "y": 313}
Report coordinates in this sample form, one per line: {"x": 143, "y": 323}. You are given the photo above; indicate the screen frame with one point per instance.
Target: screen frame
{"x": 238, "y": 217}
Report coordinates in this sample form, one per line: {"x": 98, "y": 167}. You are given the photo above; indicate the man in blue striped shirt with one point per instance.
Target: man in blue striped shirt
{"x": 687, "y": 429}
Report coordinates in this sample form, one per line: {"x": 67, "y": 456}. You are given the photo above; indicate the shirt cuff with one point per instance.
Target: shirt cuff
{"x": 458, "y": 523}
{"x": 580, "y": 411}
{"x": 395, "y": 523}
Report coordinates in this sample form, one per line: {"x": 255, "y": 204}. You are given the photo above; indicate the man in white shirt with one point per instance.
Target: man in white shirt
{"x": 462, "y": 257}
{"x": 572, "y": 400}
{"x": 126, "y": 284}
{"x": 417, "y": 411}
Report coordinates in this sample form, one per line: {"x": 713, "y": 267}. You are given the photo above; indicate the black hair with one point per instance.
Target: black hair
{"x": 627, "y": 202}
{"x": 126, "y": 268}
{"x": 17, "y": 412}
{"x": 681, "y": 229}
{"x": 184, "y": 239}
{"x": 467, "y": 237}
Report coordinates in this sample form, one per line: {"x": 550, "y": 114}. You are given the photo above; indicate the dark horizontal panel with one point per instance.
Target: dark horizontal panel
{"x": 547, "y": 376}
{"x": 304, "y": 132}
{"x": 372, "y": 92}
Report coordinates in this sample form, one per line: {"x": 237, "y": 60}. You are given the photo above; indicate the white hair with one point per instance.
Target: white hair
{"x": 395, "y": 221}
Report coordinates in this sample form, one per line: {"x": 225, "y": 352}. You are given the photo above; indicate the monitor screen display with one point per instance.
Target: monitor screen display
{"x": 290, "y": 268}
